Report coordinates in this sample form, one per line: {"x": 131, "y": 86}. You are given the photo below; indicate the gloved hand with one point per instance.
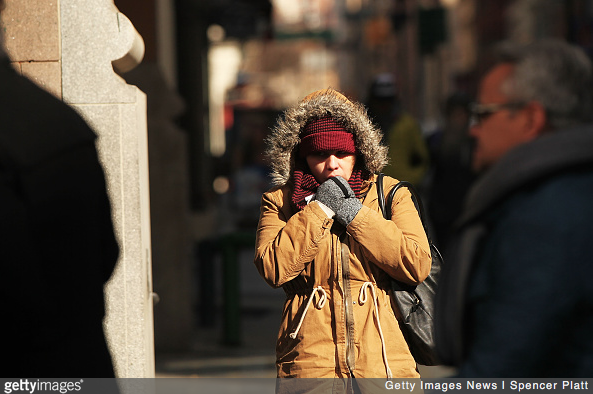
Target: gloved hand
{"x": 337, "y": 195}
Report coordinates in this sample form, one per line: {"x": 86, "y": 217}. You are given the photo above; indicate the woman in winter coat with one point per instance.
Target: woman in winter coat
{"x": 322, "y": 238}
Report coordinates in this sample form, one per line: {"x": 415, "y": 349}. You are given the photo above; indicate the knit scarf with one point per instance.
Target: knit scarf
{"x": 305, "y": 183}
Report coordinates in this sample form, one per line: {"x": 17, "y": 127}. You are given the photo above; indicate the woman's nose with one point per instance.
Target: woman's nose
{"x": 332, "y": 162}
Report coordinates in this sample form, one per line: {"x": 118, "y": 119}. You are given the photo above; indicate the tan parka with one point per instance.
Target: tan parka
{"x": 338, "y": 319}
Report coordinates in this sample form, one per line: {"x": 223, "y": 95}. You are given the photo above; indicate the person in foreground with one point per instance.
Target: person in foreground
{"x": 57, "y": 243}
{"x": 322, "y": 238}
{"x": 516, "y": 297}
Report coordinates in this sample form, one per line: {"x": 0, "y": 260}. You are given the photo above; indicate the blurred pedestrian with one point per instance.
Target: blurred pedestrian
{"x": 323, "y": 239}
{"x": 452, "y": 174}
{"x": 57, "y": 245}
{"x": 409, "y": 158}
{"x": 516, "y": 300}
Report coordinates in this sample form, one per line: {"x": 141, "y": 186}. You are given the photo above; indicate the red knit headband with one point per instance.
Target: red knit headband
{"x": 326, "y": 134}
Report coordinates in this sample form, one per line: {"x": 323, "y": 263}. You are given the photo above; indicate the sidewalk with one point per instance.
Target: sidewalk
{"x": 208, "y": 356}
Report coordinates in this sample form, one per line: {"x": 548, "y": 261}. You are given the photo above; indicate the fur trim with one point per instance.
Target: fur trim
{"x": 284, "y": 139}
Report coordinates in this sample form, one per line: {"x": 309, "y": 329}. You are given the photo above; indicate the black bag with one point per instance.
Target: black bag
{"x": 416, "y": 303}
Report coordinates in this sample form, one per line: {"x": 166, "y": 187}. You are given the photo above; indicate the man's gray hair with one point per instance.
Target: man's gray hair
{"x": 554, "y": 73}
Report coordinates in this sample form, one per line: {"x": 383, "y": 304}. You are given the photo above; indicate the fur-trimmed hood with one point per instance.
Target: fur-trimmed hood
{"x": 284, "y": 139}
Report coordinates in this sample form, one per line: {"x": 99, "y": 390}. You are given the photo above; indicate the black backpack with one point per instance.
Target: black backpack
{"x": 416, "y": 303}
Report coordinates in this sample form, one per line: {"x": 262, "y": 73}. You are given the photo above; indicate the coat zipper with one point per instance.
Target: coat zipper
{"x": 349, "y": 317}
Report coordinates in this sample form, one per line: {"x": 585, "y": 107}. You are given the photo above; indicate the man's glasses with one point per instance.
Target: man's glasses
{"x": 479, "y": 112}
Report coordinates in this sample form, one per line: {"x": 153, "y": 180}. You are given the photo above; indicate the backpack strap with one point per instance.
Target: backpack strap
{"x": 381, "y": 195}
{"x": 387, "y": 203}
{"x": 415, "y": 198}
{"x": 383, "y": 203}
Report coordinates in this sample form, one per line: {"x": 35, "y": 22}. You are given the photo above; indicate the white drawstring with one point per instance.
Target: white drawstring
{"x": 362, "y": 298}
{"x": 319, "y": 305}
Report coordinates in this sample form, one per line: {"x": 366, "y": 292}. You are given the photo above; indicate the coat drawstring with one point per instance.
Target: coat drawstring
{"x": 320, "y": 303}
{"x": 362, "y": 298}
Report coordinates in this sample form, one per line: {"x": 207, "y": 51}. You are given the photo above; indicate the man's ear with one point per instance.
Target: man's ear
{"x": 537, "y": 121}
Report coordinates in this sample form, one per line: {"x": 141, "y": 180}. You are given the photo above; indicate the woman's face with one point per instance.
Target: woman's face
{"x": 327, "y": 164}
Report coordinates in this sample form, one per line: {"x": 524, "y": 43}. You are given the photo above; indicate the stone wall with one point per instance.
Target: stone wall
{"x": 70, "y": 48}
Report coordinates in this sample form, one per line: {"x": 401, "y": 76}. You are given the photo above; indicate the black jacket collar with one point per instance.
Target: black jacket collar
{"x": 529, "y": 163}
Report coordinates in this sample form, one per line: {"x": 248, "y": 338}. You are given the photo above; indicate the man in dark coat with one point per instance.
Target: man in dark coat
{"x": 57, "y": 245}
{"x": 516, "y": 295}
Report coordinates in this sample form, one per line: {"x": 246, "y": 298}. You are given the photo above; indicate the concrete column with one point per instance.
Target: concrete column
{"x": 95, "y": 37}
{"x": 70, "y": 48}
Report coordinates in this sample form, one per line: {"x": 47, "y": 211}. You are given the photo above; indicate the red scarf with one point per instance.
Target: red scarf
{"x": 305, "y": 183}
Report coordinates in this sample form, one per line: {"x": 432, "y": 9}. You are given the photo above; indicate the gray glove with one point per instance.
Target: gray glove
{"x": 337, "y": 195}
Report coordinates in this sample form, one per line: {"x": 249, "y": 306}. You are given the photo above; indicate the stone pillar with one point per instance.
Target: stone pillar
{"x": 71, "y": 47}
{"x": 95, "y": 38}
